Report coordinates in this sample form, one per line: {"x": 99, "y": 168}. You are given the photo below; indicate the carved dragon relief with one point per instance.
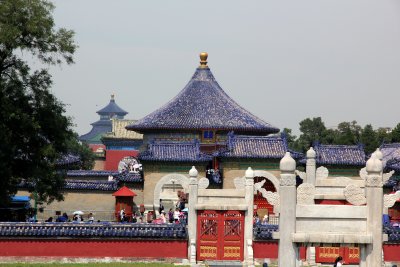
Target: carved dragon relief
{"x": 272, "y": 197}
{"x": 386, "y": 176}
{"x": 390, "y": 199}
{"x": 355, "y": 195}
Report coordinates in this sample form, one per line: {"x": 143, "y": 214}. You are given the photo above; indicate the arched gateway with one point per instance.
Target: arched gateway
{"x": 169, "y": 182}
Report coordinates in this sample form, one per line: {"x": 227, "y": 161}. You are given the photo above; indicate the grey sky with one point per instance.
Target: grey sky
{"x": 283, "y": 61}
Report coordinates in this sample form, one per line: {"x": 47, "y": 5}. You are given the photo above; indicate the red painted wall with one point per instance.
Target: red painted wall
{"x": 270, "y": 250}
{"x": 95, "y": 248}
{"x": 94, "y": 147}
{"x": 265, "y": 249}
{"x": 331, "y": 202}
{"x": 391, "y": 252}
{"x": 113, "y": 157}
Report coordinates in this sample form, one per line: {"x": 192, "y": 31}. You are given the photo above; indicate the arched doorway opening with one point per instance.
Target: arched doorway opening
{"x": 261, "y": 205}
{"x": 169, "y": 190}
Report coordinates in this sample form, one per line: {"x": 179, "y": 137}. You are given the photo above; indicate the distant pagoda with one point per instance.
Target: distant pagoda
{"x": 104, "y": 125}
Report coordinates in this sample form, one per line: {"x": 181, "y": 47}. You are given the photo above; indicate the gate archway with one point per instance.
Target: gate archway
{"x": 180, "y": 180}
{"x": 259, "y": 200}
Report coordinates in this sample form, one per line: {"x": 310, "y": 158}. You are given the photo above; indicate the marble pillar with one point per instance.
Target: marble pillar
{"x": 248, "y": 222}
{"x": 287, "y": 220}
{"x": 374, "y": 195}
{"x": 192, "y": 215}
{"x": 311, "y": 167}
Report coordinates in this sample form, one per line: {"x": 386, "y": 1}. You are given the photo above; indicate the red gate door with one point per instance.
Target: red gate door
{"x": 220, "y": 235}
{"x": 351, "y": 255}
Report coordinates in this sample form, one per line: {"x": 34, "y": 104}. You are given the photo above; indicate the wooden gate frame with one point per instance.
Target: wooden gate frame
{"x": 220, "y": 235}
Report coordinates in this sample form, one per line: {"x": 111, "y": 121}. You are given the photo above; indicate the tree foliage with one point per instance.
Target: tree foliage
{"x": 34, "y": 132}
{"x": 347, "y": 133}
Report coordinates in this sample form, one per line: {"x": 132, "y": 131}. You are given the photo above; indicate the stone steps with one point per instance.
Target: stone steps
{"x": 223, "y": 263}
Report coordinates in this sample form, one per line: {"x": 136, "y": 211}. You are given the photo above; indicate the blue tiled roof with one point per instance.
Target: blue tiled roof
{"x": 68, "y": 159}
{"x": 392, "y": 232}
{"x": 174, "y": 151}
{"x": 90, "y": 185}
{"x": 90, "y": 173}
{"x": 112, "y": 108}
{"x": 98, "y": 130}
{"x": 202, "y": 104}
{"x": 391, "y": 156}
{"x": 264, "y": 232}
{"x": 339, "y": 154}
{"x": 93, "y": 230}
{"x": 268, "y": 147}
{"x": 119, "y": 177}
{"x": 129, "y": 177}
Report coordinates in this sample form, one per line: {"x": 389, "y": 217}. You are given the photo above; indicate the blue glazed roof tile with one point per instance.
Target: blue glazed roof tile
{"x": 118, "y": 176}
{"x": 90, "y": 173}
{"x": 202, "y": 104}
{"x": 112, "y": 108}
{"x": 174, "y": 151}
{"x": 129, "y": 177}
{"x": 90, "y": 185}
{"x": 267, "y": 147}
{"x": 391, "y": 156}
{"x": 68, "y": 159}
{"x": 339, "y": 155}
{"x": 93, "y": 230}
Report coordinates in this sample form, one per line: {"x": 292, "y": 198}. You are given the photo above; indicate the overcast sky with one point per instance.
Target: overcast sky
{"x": 284, "y": 61}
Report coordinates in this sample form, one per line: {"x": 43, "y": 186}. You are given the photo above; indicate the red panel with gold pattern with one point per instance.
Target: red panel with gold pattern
{"x": 220, "y": 235}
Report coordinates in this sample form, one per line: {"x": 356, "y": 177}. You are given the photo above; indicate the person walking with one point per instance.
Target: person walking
{"x": 338, "y": 262}
{"x": 170, "y": 216}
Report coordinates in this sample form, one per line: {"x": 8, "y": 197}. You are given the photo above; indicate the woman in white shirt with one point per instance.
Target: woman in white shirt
{"x": 338, "y": 262}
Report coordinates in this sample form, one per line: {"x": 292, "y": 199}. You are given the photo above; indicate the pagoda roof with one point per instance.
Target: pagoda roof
{"x": 350, "y": 155}
{"x": 96, "y": 133}
{"x": 112, "y": 108}
{"x": 174, "y": 151}
{"x": 391, "y": 156}
{"x": 266, "y": 147}
{"x": 124, "y": 192}
{"x": 202, "y": 105}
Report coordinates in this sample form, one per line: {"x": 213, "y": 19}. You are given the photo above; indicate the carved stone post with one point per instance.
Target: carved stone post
{"x": 287, "y": 219}
{"x": 374, "y": 195}
{"x": 311, "y": 167}
{"x": 192, "y": 218}
{"x": 248, "y": 222}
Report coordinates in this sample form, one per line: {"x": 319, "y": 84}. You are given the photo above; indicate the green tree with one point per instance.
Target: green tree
{"x": 395, "y": 134}
{"x": 383, "y": 135}
{"x": 369, "y": 139}
{"x": 348, "y": 133}
{"x": 34, "y": 132}
{"x": 291, "y": 139}
{"x": 312, "y": 130}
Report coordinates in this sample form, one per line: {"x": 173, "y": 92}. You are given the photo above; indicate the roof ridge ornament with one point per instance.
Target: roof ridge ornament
{"x": 203, "y": 60}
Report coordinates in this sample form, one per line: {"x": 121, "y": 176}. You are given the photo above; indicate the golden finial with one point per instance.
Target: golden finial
{"x": 203, "y": 60}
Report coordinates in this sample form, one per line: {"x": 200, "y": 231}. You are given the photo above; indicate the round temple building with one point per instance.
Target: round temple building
{"x": 203, "y": 127}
